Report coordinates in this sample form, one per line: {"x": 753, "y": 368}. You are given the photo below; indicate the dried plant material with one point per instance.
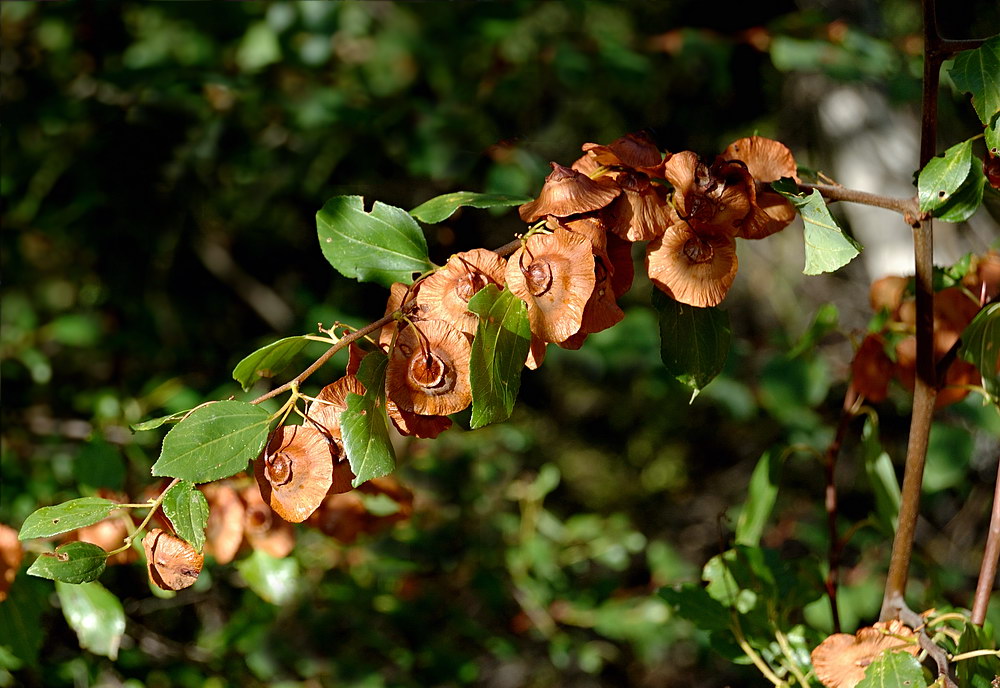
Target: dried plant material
{"x": 620, "y": 264}
{"x": 590, "y": 225}
{"x": 954, "y": 386}
{"x": 445, "y": 294}
{"x": 262, "y": 529}
{"x": 636, "y": 150}
{"x": 344, "y": 517}
{"x": 398, "y": 293}
{"x": 11, "y": 554}
{"x": 770, "y": 213}
{"x": 602, "y": 310}
{"x": 324, "y": 413}
{"x": 871, "y": 369}
{"x": 172, "y": 563}
{"x": 692, "y": 268}
{"x": 415, "y": 425}
{"x": 226, "y": 517}
{"x": 428, "y": 370}
{"x": 840, "y": 661}
{"x": 536, "y": 353}
{"x": 295, "y": 471}
{"x": 108, "y": 534}
{"x": 716, "y": 197}
{"x": 767, "y": 160}
{"x": 888, "y": 293}
{"x": 983, "y": 278}
{"x": 567, "y": 192}
{"x": 554, "y": 275}
{"x": 642, "y": 212}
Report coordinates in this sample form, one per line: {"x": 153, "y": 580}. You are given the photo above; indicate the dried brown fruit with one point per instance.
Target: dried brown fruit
{"x": 642, "y": 212}
{"x": 887, "y": 293}
{"x": 636, "y": 150}
{"x": 263, "y": 531}
{"x": 445, "y": 294}
{"x": 11, "y": 554}
{"x": 602, "y": 310}
{"x": 567, "y": 192}
{"x": 767, "y": 160}
{"x": 295, "y": 471}
{"x": 715, "y": 198}
{"x": 428, "y": 369}
{"x": 401, "y": 297}
{"x": 871, "y": 369}
{"x": 696, "y": 269}
{"x": 840, "y": 661}
{"x": 324, "y": 413}
{"x": 172, "y": 563}
{"x": 554, "y": 275}
{"x": 983, "y": 278}
{"x": 414, "y": 424}
{"x": 345, "y": 516}
{"x": 224, "y": 533}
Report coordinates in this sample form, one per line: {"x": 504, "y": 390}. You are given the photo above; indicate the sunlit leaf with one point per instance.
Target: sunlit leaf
{"x": 74, "y": 562}
{"x": 761, "y": 496}
{"x": 274, "y": 580}
{"x": 441, "y": 207}
{"x": 499, "y": 351}
{"x": 365, "y": 426}
{"x": 62, "y": 518}
{"x": 694, "y": 342}
{"x": 187, "y": 509}
{"x": 943, "y": 175}
{"x": 154, "y": 423}
{"x": 827, "y": 247}
{"x": 964, "y": 203}
{"x": 893, "y": 670}
{"x": 268, "y": 361}
{"x": 214, "y": 442}
{"x": 981, "y": 347}
{"x": 978, "y": 72}
{"x": 384, "y": 246}
{"x": 95, "y": 614}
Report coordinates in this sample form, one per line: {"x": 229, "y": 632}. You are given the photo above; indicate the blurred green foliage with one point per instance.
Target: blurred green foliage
{"x": 162, "y": 164}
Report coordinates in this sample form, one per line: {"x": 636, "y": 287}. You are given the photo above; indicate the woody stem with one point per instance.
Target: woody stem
{"x": 907, "y": 207}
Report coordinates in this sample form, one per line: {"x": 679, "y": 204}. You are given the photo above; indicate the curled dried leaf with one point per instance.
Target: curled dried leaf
{"x": 172, "y": 563}
{"x": 295, "y": 471}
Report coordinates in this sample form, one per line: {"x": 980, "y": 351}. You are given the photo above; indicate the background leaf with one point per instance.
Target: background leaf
{"x": 274, "y": 580}
{"x": 499, "y": 351}
{"x": 442, "y": 207}
{"x": 95, "y": 614}
{"x": 364, "y": 425}
{"x": 214, "y": 442}
{"x": 894, "y": 670}
{"x": 384, "y": 246}
{"x": 62, "y": 518}
{"x": 21, "y": 627}
{"x": 694, "y": 342}
{"x": 981, "y": 347}
{"x": 881, "y": 478}
{"x": 943, "y": 175}
{"x": 187, "y": 509}
{"x": 74, "y": 562}
{"x": 761, "y": 496}
{"x": 269, "y": 360}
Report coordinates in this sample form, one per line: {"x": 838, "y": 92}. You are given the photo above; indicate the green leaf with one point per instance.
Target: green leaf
{"x": 977, "y": 672}
{"x": 268, "y": 361}
{"x": 99, "y": 464}
{"x": 364, "y": 425}
{"x": 694, "y": 342}
{"x": 827, "y": 247}
{"x": 441, "y": 207}
{"x": 187, "y": 509}
{"x": 981, "y": 347}
{"x": 384, "y": 246}
{"x": 881, "y": 478}
{"x": 695, "y": 604}
{"x": 943, "y": 175}
{"x": 274, "y": 580}
{"x": 95, "y": 614}
{"x": 894, "y": 670}
{"x": 966, "y": 201}
{"x": 62, "y": 518}
{"x": 499, "y": 351}
{"x": 826, "y": 320}
{"x": 157, "y": 422}
{"x": 761, "y": 496}
{"x": 978, "y": 72}
{"x": 74, "y": 562}
{"x": 214, "y": 442}
{"x": 21, "y": 627}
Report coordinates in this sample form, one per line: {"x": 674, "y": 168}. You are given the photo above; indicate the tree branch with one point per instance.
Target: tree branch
{"x": 988, "y": 569}
{"x": 907, "y": 207}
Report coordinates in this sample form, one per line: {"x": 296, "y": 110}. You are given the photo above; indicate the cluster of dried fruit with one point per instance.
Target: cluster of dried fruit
{"x": 572, "y": 266}
{"x": 891, "y": 352}
{"x": 840, "y": 661}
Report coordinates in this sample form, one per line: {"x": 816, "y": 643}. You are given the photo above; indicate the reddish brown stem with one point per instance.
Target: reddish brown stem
{"x": 907, "y": 207}
{"x": 988, "y": 569}
{"x": 836, "y": 546}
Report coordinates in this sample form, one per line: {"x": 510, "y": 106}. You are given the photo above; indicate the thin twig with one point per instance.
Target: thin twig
{"x": 907, "y": 207}
{"x": 318, "y": 363}
{"x": 988, "y": 569}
